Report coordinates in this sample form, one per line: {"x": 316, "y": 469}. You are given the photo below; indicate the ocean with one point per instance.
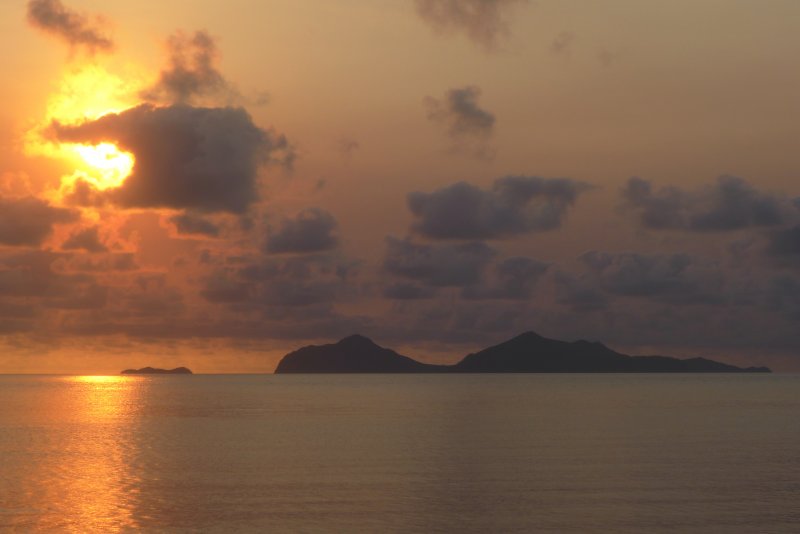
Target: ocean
{"x": 401, "y": 453}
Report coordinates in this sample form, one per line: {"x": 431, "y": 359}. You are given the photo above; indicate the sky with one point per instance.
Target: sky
{"x": 215, "y": 184}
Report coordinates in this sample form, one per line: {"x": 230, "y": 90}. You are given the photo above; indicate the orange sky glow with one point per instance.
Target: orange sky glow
{"x": 217, "y": 185}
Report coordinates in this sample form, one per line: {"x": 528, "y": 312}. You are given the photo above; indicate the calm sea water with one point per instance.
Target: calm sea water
{"x": 413, "y": 453}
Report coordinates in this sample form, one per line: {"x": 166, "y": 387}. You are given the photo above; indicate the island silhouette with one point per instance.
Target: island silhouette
{"x": 526, "y": 353}
{"x": 156, "y": 371}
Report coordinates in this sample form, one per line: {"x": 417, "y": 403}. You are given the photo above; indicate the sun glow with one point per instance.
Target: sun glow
{"x": 110, "y": 165}
{"x": 87, "y": 93}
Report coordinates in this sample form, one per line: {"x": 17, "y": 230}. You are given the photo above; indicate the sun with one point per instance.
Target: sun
{"x": 109, "y": 166}
{"x": 86, "y": 93}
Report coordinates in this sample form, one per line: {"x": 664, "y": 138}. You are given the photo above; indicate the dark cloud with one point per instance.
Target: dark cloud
{"x": 451, "y": 265}
{"x": 191, "y": 224}
{"x": 221, "y": 289}
{"x": 483, "y": 21}
{"x": 202, "y": 159}
{"x": 783, "y": 296}
{"x": 513, "y": 279}
{"x": 87, "y": 295}
{"x": 785, "y": 243}
{"x": 31, "y": 275}
{"x": 87, "y": 239}
{"x": 298, "y": 281}
{"x": 460, "y": 112}
{"x": 514, "y": 205}
{"x": 730, "y": 204}
{"x": 407, "y": 291}
{"x": 677, "y": 278}
{"x": 191, "y": 72}
{"x": 76, "y": 29}
{"x": 29, "y": 221}
{"x": 116, "y": 261}
{"x": 311, "y": 231}
{"x": 579, "y": 293}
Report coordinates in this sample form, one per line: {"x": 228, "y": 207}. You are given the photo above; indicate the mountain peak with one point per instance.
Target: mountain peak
{"x": 356, "y": 340}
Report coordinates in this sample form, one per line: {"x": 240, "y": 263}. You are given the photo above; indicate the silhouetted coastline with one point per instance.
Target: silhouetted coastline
{"x": 526, "y": 353}
{"x": 156, "y": 371}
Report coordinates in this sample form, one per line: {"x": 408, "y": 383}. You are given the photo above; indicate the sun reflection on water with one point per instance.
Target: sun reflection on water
{"x": 92, "y": 479}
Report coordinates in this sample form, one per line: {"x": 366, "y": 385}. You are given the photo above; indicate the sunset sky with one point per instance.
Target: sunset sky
{"x": 214, "y": 184}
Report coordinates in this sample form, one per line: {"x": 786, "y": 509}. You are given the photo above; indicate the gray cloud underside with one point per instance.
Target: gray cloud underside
{"x": 191, "y": 224}
{"x": 312, "y": 230}
{"x": 87, "y": 239}
{"x": 449, "y": 265}
{"x": 29, "y": 221}
{"x": 730, "y": 204}
{"x": 514, "y": 205}
{"x": 201, "y": 159}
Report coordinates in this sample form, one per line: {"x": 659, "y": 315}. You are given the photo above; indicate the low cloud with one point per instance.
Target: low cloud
{"x": 192, "y": 71}
{"x": 512, "y": 279}
{"x": 730, "y": 204}
{"x": 785, "y": 243}
{"x": 450, "y": 265}
{"x": 76, "y": 29}
{"x": 201, "y": 159}
{"x": 514, "y": 205}
{"x": 460, "y": 112}
{"x": 408, "y": 291}
{"x": 483, "y": 21}
{"x": 87, "y": 239}
{"x": 191, "y": 224}
{"x": 312, "y": 230}
{"x": 675, "y": 278}
{"x": 468, "y": 126}
{"x": 29, "y": 221}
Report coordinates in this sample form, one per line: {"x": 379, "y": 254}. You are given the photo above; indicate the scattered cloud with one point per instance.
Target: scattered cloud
{"x": 192, "y": 224}
{"x": 514, "y": 205}
{"x": 29, "y": 221}
{"x": 312, "y": 230}
{"x": 676, "y": 278}
{"x": 730, "y": 204}
{"x": 192, "y": 71}
{"x": 483, "y": 21}
{"x": 76, "y": 29}
{"x": 201, "y": 159}
{"x": 450, "y": 265}
{"x": 785, "y": 243}
{"x": 468, "y": 125}
{"x": 87, "y": 239}
{"x": 512, "y": 279}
